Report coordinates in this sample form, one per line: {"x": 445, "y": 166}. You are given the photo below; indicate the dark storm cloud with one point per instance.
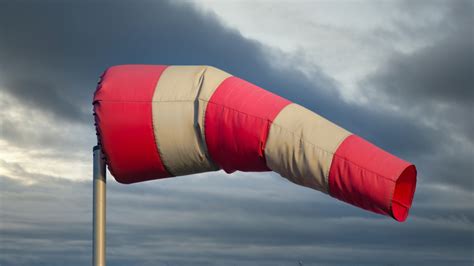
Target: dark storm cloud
{"x": 53, "y": 53}
{"x": 62, "y": 52}
{"x": 64, "y": 49}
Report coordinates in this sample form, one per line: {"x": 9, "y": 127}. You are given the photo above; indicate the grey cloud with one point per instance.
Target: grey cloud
{"x": 186, "y": 221}
{"x": 38, "y": 135}
{"x": 432, "y": 88}
{"x": 43, "y": 93}
{"x": 442, "y": 72}
{"x": 437, "y": 81}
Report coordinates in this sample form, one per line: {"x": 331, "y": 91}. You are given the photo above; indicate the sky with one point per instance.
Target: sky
{"x": 398, "y": 73}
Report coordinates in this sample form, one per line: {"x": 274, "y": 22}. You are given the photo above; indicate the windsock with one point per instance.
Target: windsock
{"x": 156, "y": 121}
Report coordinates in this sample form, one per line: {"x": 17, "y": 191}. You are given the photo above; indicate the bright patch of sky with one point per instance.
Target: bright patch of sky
{"x": 347, "y": 39}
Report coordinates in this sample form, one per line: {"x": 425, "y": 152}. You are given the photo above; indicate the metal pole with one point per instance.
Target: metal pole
{"x": 99, "y": 183}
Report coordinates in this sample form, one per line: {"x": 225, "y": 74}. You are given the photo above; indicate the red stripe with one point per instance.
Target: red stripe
{"x": 237, "y": 121}
{"x": 366, "y": 176}
{"x": 123, "y": 110}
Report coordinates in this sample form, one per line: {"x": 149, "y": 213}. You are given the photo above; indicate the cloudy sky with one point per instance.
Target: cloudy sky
{"x": 398, "y": 73}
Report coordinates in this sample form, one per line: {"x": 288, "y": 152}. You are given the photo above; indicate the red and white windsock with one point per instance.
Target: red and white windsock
{"x": 157, "y": 121}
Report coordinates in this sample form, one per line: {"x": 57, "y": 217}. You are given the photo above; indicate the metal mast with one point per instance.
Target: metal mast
{"x": 99, "y": 184}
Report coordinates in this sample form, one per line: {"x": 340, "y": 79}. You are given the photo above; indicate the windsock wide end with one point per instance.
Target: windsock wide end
{"x": 123, "y": 117}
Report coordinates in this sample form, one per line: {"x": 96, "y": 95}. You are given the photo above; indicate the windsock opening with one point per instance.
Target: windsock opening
{"x": 403, "y": 193}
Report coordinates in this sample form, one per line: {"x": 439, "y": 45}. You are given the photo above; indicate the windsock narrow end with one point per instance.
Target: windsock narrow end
{"x": 403, "y": 193}
{"x": 368, "y": 177}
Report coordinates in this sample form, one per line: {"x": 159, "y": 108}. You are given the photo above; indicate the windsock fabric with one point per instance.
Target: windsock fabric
{"x": 157, "y": 121}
